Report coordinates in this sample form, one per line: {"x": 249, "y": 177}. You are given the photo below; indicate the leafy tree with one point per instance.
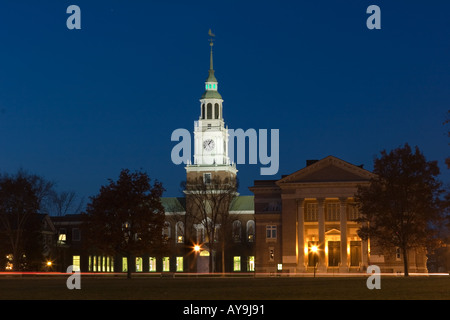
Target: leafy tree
{"x": 127, "y": 216}
{"x": 401, "y": 202}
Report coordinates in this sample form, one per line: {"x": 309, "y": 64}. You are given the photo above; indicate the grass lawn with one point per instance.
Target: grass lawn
{"x": 119, "y": 288}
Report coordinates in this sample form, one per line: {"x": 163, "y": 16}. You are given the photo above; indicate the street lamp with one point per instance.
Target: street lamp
{"x": 314, "y": 251}
{"x": 49, "y": 265}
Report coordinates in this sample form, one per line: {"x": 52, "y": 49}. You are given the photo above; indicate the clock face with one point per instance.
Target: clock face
{"x": 208, "y": 144}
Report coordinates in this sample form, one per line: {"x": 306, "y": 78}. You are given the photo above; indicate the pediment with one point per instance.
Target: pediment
{"x": 329, "y": 169}
{"x": 333, "y": 232}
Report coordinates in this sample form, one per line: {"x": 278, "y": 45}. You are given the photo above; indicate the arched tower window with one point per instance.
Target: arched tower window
{"x": 209, "y": 111}
{"x": 203, "y": 111}
{"x": 216, "y": 111}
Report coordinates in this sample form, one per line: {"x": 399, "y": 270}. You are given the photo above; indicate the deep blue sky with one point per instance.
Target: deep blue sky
{"x": 77, "y": 106}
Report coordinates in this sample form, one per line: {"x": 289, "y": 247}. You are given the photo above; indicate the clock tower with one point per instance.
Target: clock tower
{"x": 210, "y": 134}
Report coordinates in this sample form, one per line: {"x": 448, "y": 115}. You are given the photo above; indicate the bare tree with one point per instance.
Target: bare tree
{"x": 64, "y": 202}
{"x": 208, "y": 205}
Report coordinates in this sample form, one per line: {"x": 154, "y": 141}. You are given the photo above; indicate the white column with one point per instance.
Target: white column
{"x": 300, "y": 235}
{"x": 343, "y": 226}
{"x": 322, "y": 267}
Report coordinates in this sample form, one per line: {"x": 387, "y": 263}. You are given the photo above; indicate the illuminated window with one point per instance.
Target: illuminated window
{"x": 9, "y": 259}
{"x": 179, "y": 229}
{"x": 124, "y": 264}
{"x": 250, "y": 230}
{"x": 94, "y": 263}
{"x": 76, "y": 263}
{"x": 251, "y": 263}
{"x": 204, "y": 253}
{"x": 152, "y": 264}
{"x": 138, "y": 264}
{"x": 99, "y": 263}
{"x": 236, "y": 263}
{"x": 62, "y": 237}
{"x": 166, "y": 264}
{"x": 279, "y": 267}
{"x": 179, "y": 261}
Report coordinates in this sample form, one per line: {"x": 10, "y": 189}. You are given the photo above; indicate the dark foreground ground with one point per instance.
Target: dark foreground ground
{"x": 119, "y": 288}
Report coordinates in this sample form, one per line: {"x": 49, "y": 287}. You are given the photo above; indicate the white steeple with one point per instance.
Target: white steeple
{"x": 210, "y": 133}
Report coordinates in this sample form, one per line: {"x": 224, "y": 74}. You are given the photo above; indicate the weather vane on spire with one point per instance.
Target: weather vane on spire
{"x": 211, "y": 39}
{"x": 211, "y": 43}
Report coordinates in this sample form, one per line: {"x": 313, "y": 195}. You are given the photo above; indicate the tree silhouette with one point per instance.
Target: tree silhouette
{"x": 401, "y": 202}
{"x": 208, "y": 205}
{"x": 127, "y": 217}
{"x": 18, "y": 203}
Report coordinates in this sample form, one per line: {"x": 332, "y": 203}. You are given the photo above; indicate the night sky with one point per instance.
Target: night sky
{"x": 77, "y": 106}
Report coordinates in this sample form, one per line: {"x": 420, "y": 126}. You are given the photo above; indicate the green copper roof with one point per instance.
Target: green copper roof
{"x": 174, "y": 204}
{"x": 178, "y": 204}
{"x": 243, "y": 203}
{"x": 211, "y": 77}
{"x": 211, "y": 94}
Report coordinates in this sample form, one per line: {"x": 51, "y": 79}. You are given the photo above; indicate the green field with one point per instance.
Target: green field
{"x": 119, "y": 288}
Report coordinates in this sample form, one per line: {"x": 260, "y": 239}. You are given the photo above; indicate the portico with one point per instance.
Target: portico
{"x": 327, "y": 224}
{"x": 317, "y": 209}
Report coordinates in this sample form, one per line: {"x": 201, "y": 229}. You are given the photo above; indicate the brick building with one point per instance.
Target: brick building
{"x": 314, "y": 208}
